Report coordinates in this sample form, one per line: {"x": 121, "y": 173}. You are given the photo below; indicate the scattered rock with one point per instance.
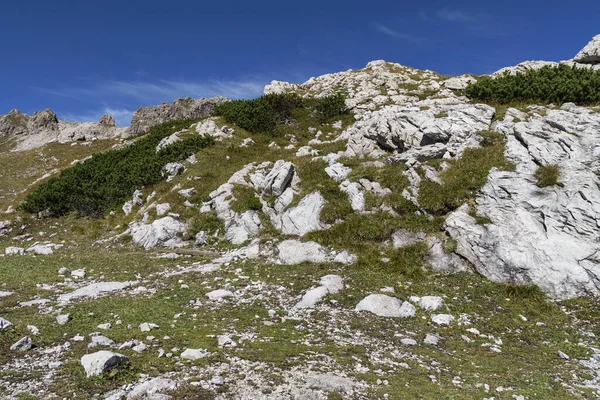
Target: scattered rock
{"x": 23, "y": 344}
{"x": 430, "y": 303}
{"x": 194, "y": 354}
{"x": 219, "y": 294}
{"x": 385, "y": 306}
{"x": 101, "y": 361}
{"x": 4, "y": 323}
{"x": 148, "y": 326}
{"x": 442, "y": 319}
{"x": 63, "y": 319}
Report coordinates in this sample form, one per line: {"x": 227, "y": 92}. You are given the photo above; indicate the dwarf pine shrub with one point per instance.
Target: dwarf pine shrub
{"x": 263, "y": 114}
{"x": 546, "y": 85}
{"x": 108, "y": 179}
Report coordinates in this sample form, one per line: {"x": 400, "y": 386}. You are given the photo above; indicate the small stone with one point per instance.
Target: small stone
{"x": 431, "y": 339}
{"x": 148, "y": 326}
{"x": 105, "y": 326}
{"x": 193, "y": 354}
{"x": 139, "y": 348}
{"x": 226, "y": 341}
{"x": 442, "y": 319}
{"x": 101, "y": 361}
{"x": 4, "y": 323}
{"x": 409, "y": 342}
{"x": 33, "y": 329}
{"x": 78, "y": 338}
{"x": 219, "y": 294}
{"x": 217, "y": 380}
{"x": 78, "y": 273}
{"x": 563, "y": 355}
{"x": 63, "y": 319}
{"x": 100, "y": 340}
{"x": 430, "y": 303}
{"x": 63, "y": 271}
{"x": 23, "y": 344}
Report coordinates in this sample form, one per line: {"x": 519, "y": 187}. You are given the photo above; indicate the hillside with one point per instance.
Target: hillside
{"x": 382, "y": 233}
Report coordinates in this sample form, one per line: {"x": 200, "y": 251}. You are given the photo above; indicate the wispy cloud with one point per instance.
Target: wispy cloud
{"x": 122, "y": 116}
{"x": 452, "y": 15}
{"x": 152, "y": 92}
{"x": 395, "y": 34}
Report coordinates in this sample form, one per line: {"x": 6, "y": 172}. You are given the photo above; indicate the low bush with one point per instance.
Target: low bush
{"x": 546, "y": 85}
{"x": 108, "y": 179}
{"x": 263, "y": 114}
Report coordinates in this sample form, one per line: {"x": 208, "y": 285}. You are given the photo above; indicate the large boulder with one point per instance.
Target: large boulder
{"x": 101, "y": 361}
{"x": 162, "y": 232}
{"x": 590, "y": 54}
{"x": 305, "y": 217}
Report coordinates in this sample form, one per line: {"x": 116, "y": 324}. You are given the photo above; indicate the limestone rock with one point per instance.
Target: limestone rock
{"x": 10, "y": 251}
{"x": 442, "y": 319}
{"x": 146, "y": 117}
{"x": 590, "y": 54}
{"x": 101, "y": 361}
{"x": 23, "y": 344}
{"x": 4, "y": 323}
{"x": 152, "y": 389}
{"x": 459, "y": 82}
{"x": 329, "y": 284}
{"x": 292, "y": 252}
{"x": 194, "y": 354}
{"x": 305, "y": 217}
{"x": 430, "y": 303}
{"x": 95, "y": 290}
{"x": 219, "y": 294}
{"x": 63, "y": 319}
{"x": 107, "y": 120}
{"x": 162, "y": 232}
{"x": 385, "y": 306}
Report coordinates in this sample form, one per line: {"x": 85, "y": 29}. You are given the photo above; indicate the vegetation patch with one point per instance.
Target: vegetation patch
{"x": 265, "y": 113}
{"x": 109, "y": 179}
{"x": 465, "y": 175}
{"x": 547, "y": 175}
{"x": 546, "y": 85}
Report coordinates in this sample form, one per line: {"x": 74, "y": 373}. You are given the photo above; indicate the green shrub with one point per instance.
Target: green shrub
{"x": 547, "y": 175}
{"x": 109, "y": 179}
{"x": 546, "y": 85}
{"x": 261, "y": 114}
{"x": 330, "y": 107}
{"x": 266, "y": 112}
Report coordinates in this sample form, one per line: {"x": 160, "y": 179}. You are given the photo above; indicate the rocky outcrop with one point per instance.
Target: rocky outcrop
{"x": 588, "y": 57}
{"x": 145, "y": 118}
{"x": 590, "y": 54}
{"x": 542, "y": 236}
{"x": 44, "y": 127}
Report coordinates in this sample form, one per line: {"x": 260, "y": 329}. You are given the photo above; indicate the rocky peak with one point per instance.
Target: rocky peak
{"x": 107, "y": 120}
{"x": 46, "y": 119}
{"x": 590, "y": 54}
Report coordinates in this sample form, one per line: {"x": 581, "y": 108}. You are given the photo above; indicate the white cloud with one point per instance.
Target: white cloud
{"x": 395, "y": 34}
{"x": 154, "y": 92}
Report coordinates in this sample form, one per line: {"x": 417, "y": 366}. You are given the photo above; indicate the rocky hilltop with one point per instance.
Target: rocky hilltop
{"x": 146, "y": 117}
{"x": 368, "y": 234}
{"x": 26, "y": 132}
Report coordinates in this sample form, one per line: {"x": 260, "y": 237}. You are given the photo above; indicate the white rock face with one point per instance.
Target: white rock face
{"x": 590, "y": 54}
{"x": 330, "y": 284}
{"x": 162, "y": 232}
{"x": 279, "y": 178}
{"x": 101, "y": 361}
{"x": 305, "y": 217}
{"x": 385, "y": 306}
{"x": 542, "y": 236}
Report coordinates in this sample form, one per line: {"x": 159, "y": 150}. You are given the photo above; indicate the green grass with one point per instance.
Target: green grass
{"x": 547, "y": 175}
{"x": 465, "y": 176}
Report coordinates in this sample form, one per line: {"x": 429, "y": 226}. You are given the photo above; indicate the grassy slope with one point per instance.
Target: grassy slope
{"x": 528, "y": 361}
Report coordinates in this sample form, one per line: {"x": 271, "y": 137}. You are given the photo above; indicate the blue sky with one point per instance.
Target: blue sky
{"x": 84, "y": 58}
